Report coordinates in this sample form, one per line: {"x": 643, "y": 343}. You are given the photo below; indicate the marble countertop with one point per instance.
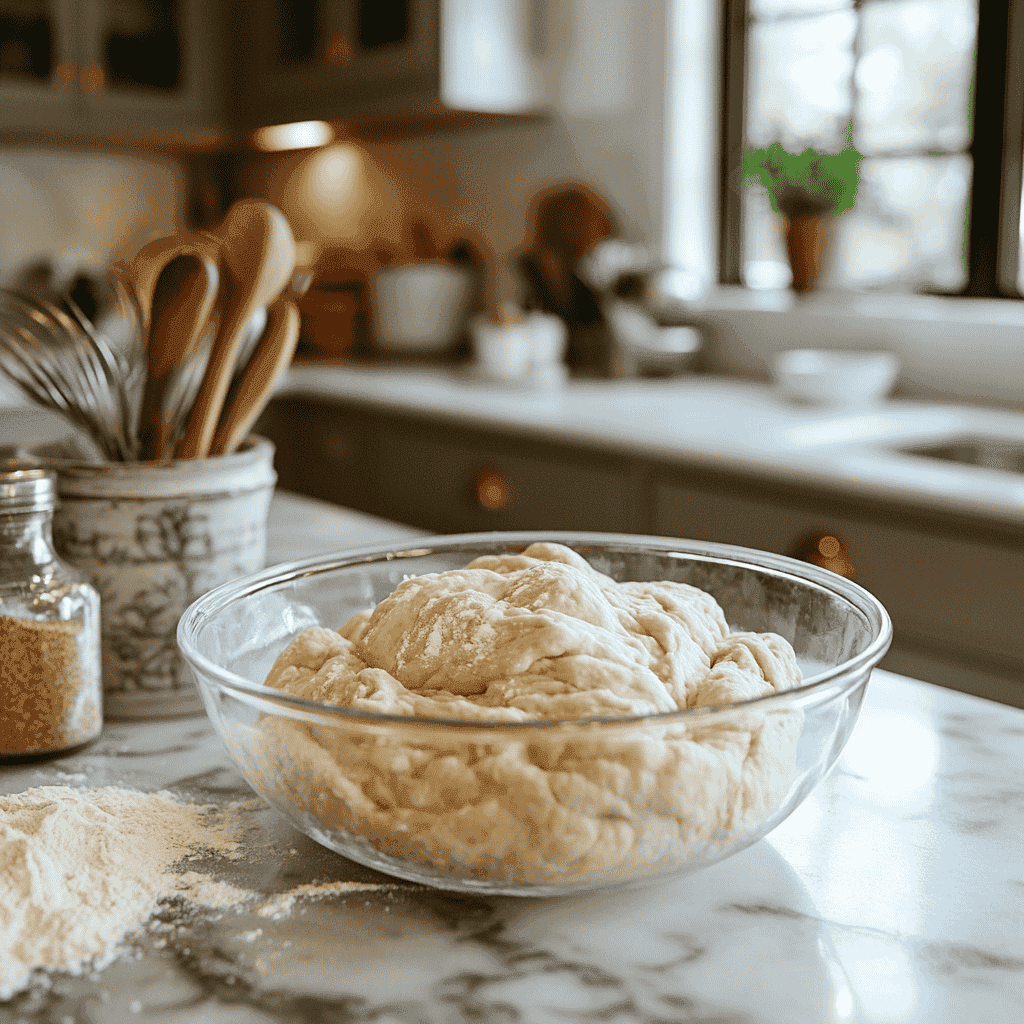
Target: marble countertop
{"x": 727, "y": 424}
{"x": 893, "y": 894}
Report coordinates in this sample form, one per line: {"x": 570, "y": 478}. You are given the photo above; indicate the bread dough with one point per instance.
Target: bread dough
{"x": 538, "y": 638}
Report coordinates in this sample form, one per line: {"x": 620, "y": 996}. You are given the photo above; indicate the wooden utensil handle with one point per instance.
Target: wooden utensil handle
{"x": 256, "y": 385}
{"x": 182, "y": 302}
{"x": 209, "y": 405}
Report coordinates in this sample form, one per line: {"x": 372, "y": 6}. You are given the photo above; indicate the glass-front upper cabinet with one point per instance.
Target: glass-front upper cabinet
{"x": 357, "y": 36}
{"x": 147, "y": 69}
{"x": 29, "y": 47}
{"x": 38, "y": 61}
{"x": 328, "y": 58}
{"x": 144, "y": 61}
{"x": 140, "y": 46}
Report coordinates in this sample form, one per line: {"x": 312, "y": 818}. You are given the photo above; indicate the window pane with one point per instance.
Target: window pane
{"x": 914, "y": 76}
{"x": 300, "y": 31}
{"x": 765, "y": 264}
{"x": 800, "y": 81}
{"x": 142, "y": 45}
{"x": 381, "y": 23}
{"x": 905, "y": 233}
{"x": 775, "y": 8}
{"x": 907, "y": 229}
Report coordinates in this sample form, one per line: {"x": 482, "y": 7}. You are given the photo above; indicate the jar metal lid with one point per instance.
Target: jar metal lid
{"x": 26, "y": 490}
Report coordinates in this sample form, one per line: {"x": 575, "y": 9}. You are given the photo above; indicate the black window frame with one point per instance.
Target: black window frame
{"x": 994, "y": 202}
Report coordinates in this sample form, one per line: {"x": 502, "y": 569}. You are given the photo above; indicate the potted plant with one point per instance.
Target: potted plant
{"x": 807, "y": 189}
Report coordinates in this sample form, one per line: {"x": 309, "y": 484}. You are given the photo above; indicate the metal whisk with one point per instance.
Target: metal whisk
{"x": 61, "y": 361}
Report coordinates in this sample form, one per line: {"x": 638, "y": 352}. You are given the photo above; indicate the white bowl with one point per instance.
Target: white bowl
{"x": 835, "y": 377}
{"x": 420, "y": 307}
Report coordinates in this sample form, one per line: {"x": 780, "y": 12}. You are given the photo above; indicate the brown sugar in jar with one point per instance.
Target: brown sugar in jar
{"x": 50, "y": 678}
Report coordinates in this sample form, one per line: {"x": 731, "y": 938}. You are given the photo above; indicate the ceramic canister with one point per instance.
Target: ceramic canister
{"x": 152, "y": 537}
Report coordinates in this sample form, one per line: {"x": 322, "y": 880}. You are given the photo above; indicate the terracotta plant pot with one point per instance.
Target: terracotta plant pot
{"x": 807, "y": 241}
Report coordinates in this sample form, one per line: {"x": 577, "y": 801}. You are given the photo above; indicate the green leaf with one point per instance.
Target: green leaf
{"x": 812, "y": 182}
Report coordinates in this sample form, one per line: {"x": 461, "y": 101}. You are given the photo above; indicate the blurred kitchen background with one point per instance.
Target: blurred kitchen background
{"x": 450, "y": 167}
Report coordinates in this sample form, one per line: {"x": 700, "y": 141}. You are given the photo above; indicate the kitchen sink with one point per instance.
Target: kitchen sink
{"x": 990, "y": 452}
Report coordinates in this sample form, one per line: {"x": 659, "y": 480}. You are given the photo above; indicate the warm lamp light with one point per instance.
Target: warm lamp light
{"x": 298, "y": 135}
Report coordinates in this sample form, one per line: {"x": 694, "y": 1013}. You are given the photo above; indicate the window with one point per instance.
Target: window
{"x": 924, "y": 85}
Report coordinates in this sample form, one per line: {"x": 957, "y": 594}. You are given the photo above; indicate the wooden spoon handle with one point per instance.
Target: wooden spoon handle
{"x": 213, "y": 391}
{"x": 259, "y": 255}
{"x": 256, "y": 384}
{"x": 182, "y": 302}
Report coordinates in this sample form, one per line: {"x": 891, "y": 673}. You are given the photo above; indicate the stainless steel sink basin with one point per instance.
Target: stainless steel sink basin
{"x": 990, "y": 452}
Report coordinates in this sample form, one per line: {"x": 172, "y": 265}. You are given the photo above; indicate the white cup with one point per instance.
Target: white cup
{"x": 526, "y": 350}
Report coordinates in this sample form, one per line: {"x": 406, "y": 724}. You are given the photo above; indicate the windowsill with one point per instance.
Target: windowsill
{"x": 963, "y": 350}
{"x": 829, "y": 302}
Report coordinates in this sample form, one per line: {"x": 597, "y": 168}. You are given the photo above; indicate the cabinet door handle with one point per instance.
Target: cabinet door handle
{"x": 338, "y": 50}
{"x": 63, "y": 75}
{"x": 493, "y": 490}
{"x": 824, "y": 548}
{"x": 92, "y": 78}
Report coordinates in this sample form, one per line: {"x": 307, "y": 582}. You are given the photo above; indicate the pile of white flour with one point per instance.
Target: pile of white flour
{"x": 80, "y": 869}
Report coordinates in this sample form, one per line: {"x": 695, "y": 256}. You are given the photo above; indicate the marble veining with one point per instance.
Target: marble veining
{"x": 893, "y": 895}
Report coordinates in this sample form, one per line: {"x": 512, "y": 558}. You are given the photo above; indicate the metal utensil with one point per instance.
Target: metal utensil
{"x": 61, "y": 364}
{"x": 18, "y": 345}
{"x": 121, "y": 368}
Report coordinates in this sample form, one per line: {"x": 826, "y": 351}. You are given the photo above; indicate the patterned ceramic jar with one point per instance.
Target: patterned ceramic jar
{"x": 151, "y": 538}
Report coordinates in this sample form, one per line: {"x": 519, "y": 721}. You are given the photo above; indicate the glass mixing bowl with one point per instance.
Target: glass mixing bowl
{"x": 537, "y": 807}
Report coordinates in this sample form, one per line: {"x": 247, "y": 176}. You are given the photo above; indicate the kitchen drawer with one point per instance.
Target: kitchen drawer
{"x": 454, "y": 481}
{"x": 946, "y": 594}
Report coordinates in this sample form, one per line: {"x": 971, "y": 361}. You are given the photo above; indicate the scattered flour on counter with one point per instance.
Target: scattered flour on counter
{"x": 280, "y": 906}
{"x": 81, "y": 869}
{"x": 208, "y": 892}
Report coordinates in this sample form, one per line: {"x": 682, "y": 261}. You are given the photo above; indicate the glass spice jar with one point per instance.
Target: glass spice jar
{"x": 50, "y": 678}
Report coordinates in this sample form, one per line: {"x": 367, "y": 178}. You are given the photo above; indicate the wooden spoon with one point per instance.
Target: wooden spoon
{"x": 256, "y": 384}
{"x": 151, "y": 260}
{"x": 259, "y": 256}
{"x": 183, "y": 300}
